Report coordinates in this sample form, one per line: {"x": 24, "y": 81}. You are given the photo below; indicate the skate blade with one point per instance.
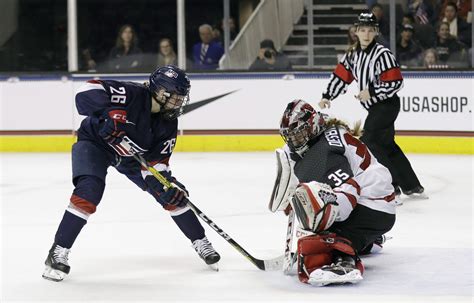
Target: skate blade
{"x": 398, "y": 201}
{"x": 214, "y": 267}
{"x": 53, "y": 274}
{"x": 322, "y": 278}
{"x": 421, "y": 196}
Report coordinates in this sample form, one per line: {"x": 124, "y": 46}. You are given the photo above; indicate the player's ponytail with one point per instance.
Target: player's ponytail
{"x": 356, "y": 131}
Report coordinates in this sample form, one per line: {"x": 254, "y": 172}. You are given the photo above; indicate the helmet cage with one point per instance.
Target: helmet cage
{"x": 172, "y": 104}
{"x": 297, "y": 136}
{"x": 170, "y": 86}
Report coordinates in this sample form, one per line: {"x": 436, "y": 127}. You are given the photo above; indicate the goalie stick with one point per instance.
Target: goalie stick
{"x": 289, "y": 257}
{"x": 270, "y": 264}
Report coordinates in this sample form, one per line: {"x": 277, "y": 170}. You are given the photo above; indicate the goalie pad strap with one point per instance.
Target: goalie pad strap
{"x": 316, "y": 251}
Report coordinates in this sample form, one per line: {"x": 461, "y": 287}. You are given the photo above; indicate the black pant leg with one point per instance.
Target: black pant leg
{"x": 379, "y": 136}
{"x": 363, "y": 226}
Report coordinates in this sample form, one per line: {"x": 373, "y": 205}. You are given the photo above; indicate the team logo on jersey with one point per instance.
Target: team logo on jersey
{"x": 171, "y": 74}
{"x": 127, "y": 150}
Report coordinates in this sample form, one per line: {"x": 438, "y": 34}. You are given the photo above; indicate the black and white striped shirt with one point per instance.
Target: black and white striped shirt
{"x": 374, "y": 68}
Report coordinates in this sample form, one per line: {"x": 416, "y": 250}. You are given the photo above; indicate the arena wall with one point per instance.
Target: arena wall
{"x": 241, "y": 111}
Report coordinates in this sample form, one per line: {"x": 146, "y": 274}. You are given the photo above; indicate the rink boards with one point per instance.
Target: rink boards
{"x": 241, "y": 111}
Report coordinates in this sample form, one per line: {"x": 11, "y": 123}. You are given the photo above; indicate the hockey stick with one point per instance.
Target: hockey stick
{"x": 289, "y": 257}
{"x": 271, "y": 264}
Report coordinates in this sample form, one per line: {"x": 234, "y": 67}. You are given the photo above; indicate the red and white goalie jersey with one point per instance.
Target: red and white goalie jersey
{"x": 345, "y": 163}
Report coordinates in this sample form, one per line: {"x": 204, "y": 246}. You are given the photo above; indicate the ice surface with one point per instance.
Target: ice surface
{"x": 131, "y": 250}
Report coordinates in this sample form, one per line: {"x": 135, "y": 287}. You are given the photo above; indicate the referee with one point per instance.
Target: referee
{"x": 378, "y": 75}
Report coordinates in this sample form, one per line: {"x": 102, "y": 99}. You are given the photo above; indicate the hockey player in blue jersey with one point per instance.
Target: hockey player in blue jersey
{"x": 144, "y": 116}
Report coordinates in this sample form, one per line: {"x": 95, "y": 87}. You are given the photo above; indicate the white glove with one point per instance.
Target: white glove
{"x": 363, "y": 96}
{"x": 324, "y": 103}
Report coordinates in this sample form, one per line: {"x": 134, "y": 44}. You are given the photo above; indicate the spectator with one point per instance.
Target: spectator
{"x": 232, "y": 28}
{"x": 218, "y": 31}
{"x": 269, "y": 58}
{"x": 450, "y": 50}
{"x": 430, "y": 58}
{"x": 458, "y": 28}
{"x": 408, "y": 19}
{"x": 351, "y": 40}
{"x": 464, "y": 9}
{"x": 384, "y": 27}
{"x": 216, "y": 34}
{"x": 422, "y": 33}
{"x": 207, "y": 53}
{"x": 425, "y": 11}
{"x": 125, "y": 55}
{"x": 166, "y": 53}
{"x": 351, "y": 35}
{"x": 408, "y": 50}
{"x": 87, "y": 62}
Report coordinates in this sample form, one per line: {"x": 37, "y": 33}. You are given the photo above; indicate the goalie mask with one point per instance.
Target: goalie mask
{"x": 301, "y": 123}
{"x": 170, "y": 86}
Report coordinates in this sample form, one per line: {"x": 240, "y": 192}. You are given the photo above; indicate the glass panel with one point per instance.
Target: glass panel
{"x": 205, "y": 32}
{"x": 107, "y": 27}
{"x": 121, "y": 36}
{"x": 309, "y": 35}
{"x": 421, "y": 39}
{"x": 33, "y": 35}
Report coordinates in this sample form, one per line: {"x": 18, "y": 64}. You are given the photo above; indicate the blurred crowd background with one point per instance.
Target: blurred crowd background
{"x": 122, "y": 36}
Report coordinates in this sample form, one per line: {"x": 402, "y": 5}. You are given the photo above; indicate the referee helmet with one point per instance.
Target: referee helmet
{"x": 367, "y": 19}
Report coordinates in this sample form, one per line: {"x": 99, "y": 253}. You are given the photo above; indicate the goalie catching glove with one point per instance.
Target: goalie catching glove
{"x": 285, "y": 183}
{"x": 315, "y": 206}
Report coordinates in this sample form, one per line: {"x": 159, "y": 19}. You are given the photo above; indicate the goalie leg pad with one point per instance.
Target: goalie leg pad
{"x": 316, "y": 251}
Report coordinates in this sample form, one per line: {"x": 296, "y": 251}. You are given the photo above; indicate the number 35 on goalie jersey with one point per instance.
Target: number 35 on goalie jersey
{"x": 334, "y": 159}
{"x": 346, "y": 164}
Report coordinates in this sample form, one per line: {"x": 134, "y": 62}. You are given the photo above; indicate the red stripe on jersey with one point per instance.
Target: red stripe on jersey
{"x": 366, "y": 162}
{"x": 361, "y": 150}
{"x": 388, "y": 198}
{"x": 94, "y": 81}
{"x": 344, "y": 74}
{"x": 354, "y": 184}
{"x": 83, "y": 204}
{"x": 169, "y": 207}
{"x": 393, "y": 74}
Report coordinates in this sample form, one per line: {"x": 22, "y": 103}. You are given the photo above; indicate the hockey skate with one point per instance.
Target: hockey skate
{"x": 56, "y": 263}
{"x": 398, "y": 195}
{"x": 343, "y": 271}
{"x": 416, "y": 193}
{"x": 376, "y": 246}
{"x": 205, "y": 250}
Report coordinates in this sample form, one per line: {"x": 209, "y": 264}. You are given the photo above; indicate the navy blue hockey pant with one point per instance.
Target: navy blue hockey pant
{"x": 89, "y": 169}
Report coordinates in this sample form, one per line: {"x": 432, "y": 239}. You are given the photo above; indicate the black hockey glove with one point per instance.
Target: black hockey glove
{"x": 176, "y": 196}
{"x": 113, "y": 129}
